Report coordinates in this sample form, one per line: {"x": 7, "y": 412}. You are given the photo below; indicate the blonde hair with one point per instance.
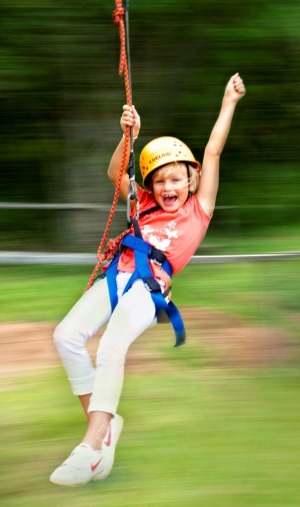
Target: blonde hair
{"x": 193, "y": 175}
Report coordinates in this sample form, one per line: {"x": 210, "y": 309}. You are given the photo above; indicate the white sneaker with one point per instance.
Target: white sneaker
{"x": 85, "y": 464}
{"x": 80, "y": 467}
{"x": 108, "y": 448}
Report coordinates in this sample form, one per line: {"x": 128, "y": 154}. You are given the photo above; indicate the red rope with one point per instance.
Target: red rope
{"x": 114, "y": 244}
{"x": 118, "y": 18}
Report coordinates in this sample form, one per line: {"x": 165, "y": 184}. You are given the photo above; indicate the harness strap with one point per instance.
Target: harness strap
{"x": 158, "y": 257}
{"x": 134, "y": 221}
{"x": 143, "y": 251}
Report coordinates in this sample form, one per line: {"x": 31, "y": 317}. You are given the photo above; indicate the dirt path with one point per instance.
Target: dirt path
{"x": 220, "y": 340}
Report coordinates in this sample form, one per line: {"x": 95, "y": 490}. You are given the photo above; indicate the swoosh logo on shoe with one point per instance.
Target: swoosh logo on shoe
{"x": 108, "y": 441}
{"x": 93, "y": 467}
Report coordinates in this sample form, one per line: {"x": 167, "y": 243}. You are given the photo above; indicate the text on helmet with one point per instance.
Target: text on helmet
{"x": 157, "y": 157}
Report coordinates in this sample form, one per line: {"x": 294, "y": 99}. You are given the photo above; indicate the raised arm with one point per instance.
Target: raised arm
{"x": 209, "y": 182}
{"x": 130, "y": 117}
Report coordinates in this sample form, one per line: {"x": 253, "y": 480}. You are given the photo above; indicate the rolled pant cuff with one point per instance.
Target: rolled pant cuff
{"x": 82, "y": 386}
{"x": 101, "y": 407}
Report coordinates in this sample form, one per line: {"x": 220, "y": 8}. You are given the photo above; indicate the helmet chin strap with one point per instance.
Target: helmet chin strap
{"x": 189, "y": 178}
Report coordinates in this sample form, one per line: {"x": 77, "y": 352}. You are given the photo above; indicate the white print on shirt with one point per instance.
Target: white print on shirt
{"x": 160, "y": 238}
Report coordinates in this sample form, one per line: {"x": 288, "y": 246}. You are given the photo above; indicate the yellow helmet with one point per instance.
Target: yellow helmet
{"x": 164, "y": 150}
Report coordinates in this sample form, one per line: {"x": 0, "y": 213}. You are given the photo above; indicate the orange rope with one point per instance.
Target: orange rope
{"x": 114, "y": 244}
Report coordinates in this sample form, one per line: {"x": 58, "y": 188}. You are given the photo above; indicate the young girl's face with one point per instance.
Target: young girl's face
{"x": 170, "y": 187}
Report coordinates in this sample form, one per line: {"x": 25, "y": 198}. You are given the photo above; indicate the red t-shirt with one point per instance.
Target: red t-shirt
{"x": 177, "y": 234}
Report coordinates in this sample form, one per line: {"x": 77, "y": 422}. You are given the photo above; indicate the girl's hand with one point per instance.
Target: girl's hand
{"x": 235, "y": 88}
{"x": 130, "y": 118}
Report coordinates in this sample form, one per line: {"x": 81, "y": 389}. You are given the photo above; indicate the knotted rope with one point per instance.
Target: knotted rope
{"x": 113, "y": 245}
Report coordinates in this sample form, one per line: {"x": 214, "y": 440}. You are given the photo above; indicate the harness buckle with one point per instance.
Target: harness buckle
{"x": 157, "y": 262}
{"x": 157, "y": 256}
{"x": 151, "y": 284}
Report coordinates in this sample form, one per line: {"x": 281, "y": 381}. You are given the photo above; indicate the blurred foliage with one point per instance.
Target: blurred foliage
{"x": 61, "y": 97}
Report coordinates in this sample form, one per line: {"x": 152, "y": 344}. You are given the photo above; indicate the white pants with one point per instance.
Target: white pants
{"x": 134, "y": 313}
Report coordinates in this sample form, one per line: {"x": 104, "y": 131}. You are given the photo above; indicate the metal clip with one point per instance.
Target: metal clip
{"x": 157, "y": 262}
{"x": 132, "y": 195}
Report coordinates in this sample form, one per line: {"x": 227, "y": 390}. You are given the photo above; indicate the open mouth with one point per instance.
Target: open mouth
{"x": 169, "y": 199}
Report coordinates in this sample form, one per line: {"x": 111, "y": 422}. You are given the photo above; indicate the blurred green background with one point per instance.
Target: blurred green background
{"x": 61, "y": 98}
{"x": 198, "y": 430}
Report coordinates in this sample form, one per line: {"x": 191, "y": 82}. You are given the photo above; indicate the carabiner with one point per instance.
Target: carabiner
{"x": 132, "y": 195}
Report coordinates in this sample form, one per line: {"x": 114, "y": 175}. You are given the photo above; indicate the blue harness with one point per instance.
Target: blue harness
{"x": 143, "y": 252}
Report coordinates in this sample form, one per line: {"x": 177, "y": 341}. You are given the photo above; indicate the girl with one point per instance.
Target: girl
{"x": 174, "y": 204}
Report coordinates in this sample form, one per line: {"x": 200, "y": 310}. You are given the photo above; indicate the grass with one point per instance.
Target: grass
{"x": 39, "y": 292}
{"x": 193, "y": 435}
{"x": 213, "y": 437}
{"x": 266, "y": 292}
{"x": 232, "y": 239}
